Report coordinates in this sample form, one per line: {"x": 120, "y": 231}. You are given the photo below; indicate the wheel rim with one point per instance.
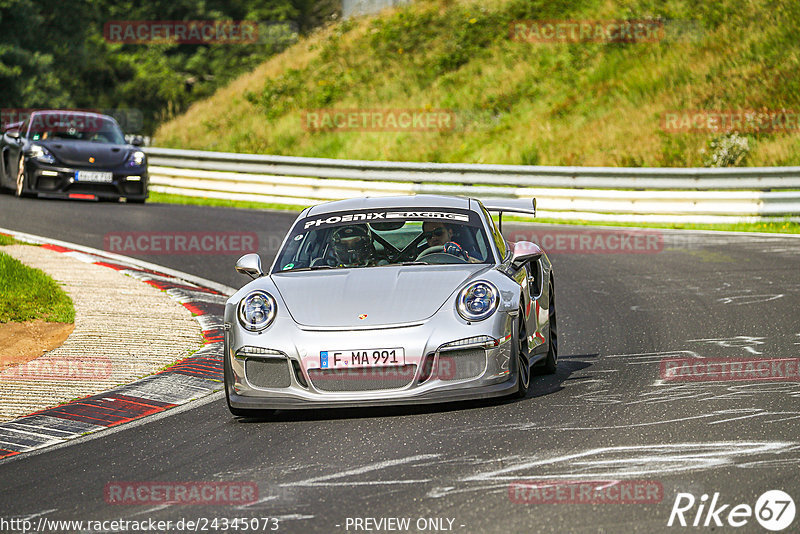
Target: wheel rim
{"x": 20, "y": 176}
{"x": 553, "y": 325}
{"x": 524, "y": 368}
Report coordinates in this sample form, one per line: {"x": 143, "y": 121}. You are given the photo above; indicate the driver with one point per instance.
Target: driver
{"x": 353, "y": 247}
{"x": 439, "y": 234}
{"x": 436, "y": 233}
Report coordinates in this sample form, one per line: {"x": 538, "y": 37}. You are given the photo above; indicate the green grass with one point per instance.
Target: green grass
{"x": 8, "y": 240}
{"x": 778, "y": 227}
{"x": 517, "y": 102}
{"x": 27, "y": 294}
{"x": 782, "y": 227}
{"x": 168, "y": 198}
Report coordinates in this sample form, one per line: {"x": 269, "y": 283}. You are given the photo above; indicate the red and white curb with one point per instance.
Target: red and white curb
{"x": 196, "y": 376}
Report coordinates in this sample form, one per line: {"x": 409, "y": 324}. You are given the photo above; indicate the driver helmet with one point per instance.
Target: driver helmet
{"x": 352, "y": 245}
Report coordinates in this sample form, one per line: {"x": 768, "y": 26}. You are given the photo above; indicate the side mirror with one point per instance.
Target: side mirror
{"x": 525, "y": 251}
{"x": 137, "y": 140}
{"x": 13, "y": 134}
{"x": 250, "y": 264}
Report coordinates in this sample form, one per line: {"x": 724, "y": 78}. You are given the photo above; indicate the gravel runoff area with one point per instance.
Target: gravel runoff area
{"x": 124, "y": 329}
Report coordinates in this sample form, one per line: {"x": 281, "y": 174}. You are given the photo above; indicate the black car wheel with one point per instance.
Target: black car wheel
{"x": 551, "y": 362}
{"x": 523, "y": 365}
{"x": 20, "y": 177}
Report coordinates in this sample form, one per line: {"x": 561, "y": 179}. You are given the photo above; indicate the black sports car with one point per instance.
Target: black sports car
{"x": 71, "y": 154}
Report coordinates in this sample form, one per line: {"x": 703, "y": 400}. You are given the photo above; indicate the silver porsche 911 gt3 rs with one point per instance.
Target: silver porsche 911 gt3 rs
{"x": 376, "y": 301}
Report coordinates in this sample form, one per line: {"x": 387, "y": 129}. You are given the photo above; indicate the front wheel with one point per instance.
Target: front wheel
{"x": 20, "y": 177}
{"x": 551, "y": 362}
{"x": 521, "y": 352}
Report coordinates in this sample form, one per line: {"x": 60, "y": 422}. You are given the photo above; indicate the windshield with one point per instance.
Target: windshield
{"x": 76, "y": 127}
{"x": 375, "y": 238}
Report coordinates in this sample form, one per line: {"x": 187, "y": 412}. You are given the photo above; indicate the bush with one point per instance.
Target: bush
{"x": 729, "y": 150}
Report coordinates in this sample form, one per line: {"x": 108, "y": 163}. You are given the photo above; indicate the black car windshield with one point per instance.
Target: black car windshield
{"x": 380, "y": 237}
{"x": 77, "y": 127}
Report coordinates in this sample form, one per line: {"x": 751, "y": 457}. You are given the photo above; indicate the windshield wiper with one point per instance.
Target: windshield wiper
{"x": 314, "y": 268}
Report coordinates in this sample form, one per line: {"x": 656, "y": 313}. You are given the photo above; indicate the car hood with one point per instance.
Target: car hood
{"x": 77, "y": 153}
{"x": 381, "y": 295}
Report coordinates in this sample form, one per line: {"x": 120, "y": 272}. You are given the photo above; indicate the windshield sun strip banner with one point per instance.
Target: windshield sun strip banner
{"x": 383, "y": 215}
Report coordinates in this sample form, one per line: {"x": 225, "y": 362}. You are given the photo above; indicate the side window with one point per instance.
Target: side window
{"x": 23, "y": 129}
{"x": 496, "y": 235}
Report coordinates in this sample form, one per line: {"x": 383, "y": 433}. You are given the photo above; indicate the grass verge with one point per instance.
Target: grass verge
{"x": 776, "y": 227}
{"x": 8, "y": 240}
{"x": 168, "y": 198}
{"x": 520, "y": 102}
{"x": 27, "y": 294}
{"x": 780, "y": 227}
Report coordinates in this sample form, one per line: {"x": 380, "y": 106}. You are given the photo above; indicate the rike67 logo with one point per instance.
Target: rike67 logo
{"x": 774, "y": 510}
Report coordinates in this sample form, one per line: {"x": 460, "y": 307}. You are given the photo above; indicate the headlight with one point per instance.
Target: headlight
{"x": 40, "y": 153}
{"x": 257, "y": 310}
{"x": 136, "y": 158}
{"x": 477, "y": 301}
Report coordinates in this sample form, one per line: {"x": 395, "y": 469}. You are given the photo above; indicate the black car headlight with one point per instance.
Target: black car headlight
{"x": 40, "y": 153}
{"x": 477, "y": 301}
{"x": 257, "y": 310}
{"x": 136, "y": 159}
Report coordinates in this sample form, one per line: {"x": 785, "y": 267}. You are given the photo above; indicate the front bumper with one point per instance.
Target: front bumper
{"x": 59, "y": 181}
{"x": 434, "y": 371}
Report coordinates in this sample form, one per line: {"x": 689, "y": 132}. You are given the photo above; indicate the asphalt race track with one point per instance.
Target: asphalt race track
{"x": 607, "y": 415}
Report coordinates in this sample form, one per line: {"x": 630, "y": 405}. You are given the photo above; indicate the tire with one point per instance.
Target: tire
{"x": 20, "y": 183}
{"x": 135, "y": 200}
{"x": 240, "y": 412}
{"x": 551, "y": 361}
{"x": 520, "y": 352}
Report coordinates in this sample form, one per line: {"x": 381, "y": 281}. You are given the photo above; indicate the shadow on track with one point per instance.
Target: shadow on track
{"x": 540, "y": 386}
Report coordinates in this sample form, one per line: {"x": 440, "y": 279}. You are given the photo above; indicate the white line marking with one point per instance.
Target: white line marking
{"x": 190, "y": 405}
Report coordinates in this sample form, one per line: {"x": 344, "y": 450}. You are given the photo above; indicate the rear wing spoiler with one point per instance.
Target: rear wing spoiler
{"x": 510, "y": 205}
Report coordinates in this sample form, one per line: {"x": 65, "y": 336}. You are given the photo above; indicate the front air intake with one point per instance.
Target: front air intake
{"x": 362, "y": 379}
{"x": 461, "y": 364}
{"x": 268, "y": 373}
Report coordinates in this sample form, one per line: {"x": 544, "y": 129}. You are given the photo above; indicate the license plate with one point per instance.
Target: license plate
{"x": 346, "y": 359}
{"x": 94, "y": 176}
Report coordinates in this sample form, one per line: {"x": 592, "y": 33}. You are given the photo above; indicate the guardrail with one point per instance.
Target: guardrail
{"x": 598, "y": 193}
